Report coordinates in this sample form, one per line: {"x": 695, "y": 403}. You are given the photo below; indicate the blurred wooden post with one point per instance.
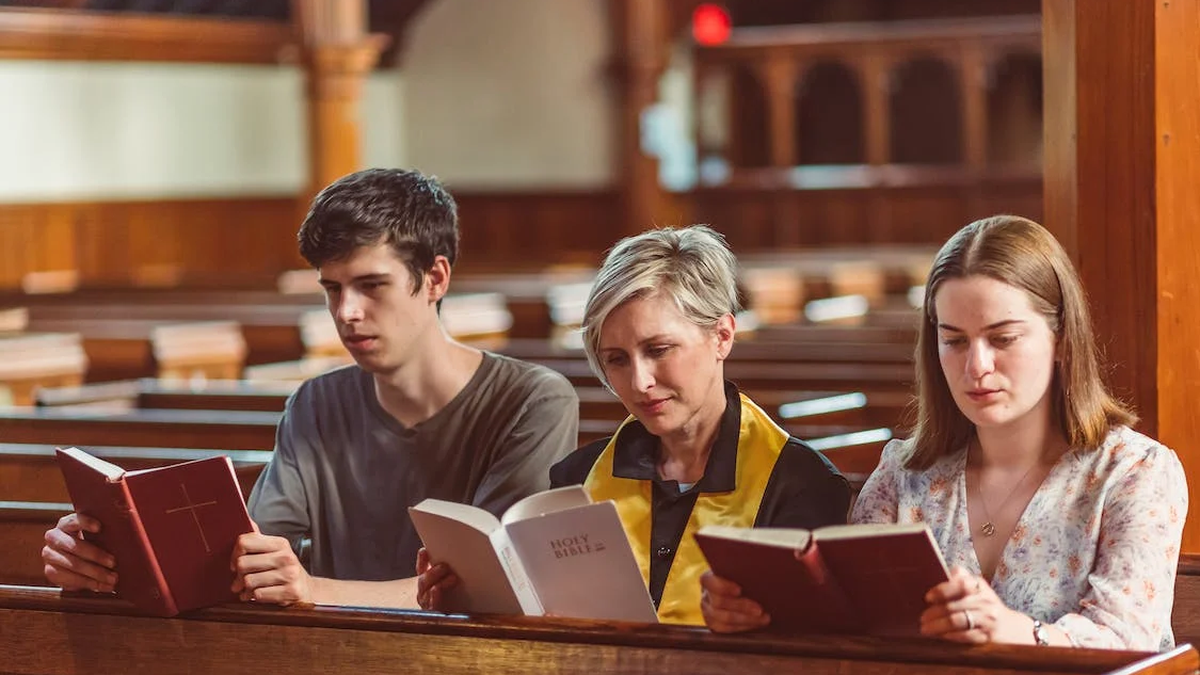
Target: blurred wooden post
{"x": 973, "y": 85}
{"x": 875, "y": 75}
{"x": 1122, "y": 161}
{"x": 338, "y": 54}
{"x": 640, "y": 30}
{"x": 778, "y": 74}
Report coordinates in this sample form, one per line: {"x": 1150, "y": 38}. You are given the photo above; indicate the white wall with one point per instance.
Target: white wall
{"x": 511, "y": 94}
{"x": 75, "y": 131}
{"x": 492, "y": 94}
{"x": 82, "y": 130}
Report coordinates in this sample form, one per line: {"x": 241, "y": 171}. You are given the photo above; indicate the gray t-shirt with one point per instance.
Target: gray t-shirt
{"x": 344, "y": 471}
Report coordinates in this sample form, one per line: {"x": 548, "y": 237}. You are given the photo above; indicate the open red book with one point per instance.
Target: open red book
{"x": 865, "y": 579}
{"x": 172, "y": 529}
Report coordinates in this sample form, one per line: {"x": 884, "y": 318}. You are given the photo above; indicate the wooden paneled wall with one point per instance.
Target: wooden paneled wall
{"x": 248, "y": 241}
{"x": 217, "y": 242}
{"x": 540, "y": 227}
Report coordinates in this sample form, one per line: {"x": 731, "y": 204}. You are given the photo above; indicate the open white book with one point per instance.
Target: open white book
{"x": 554, "y": 553}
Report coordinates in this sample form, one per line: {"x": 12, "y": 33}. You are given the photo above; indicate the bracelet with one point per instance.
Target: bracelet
{"x": 1040, "y": 638}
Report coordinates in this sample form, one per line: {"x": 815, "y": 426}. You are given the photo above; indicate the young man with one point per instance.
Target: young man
{"x": 420, "y": 415}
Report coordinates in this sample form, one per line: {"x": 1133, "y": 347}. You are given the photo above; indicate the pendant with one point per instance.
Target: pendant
{"x": 988, "y": 529}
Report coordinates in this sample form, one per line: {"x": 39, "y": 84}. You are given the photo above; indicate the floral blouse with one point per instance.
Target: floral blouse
{"x": 1094, "y": 552}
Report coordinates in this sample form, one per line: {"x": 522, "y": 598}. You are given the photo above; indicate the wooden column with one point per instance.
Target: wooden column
{"x": 338, "y": 54}
{"x": 640, "y": 30}
{"x": 875, "y": 76}
{"x": 1122, "y": 142}
{"x": 972, "y": 83}
{"x": 778, "y": 75}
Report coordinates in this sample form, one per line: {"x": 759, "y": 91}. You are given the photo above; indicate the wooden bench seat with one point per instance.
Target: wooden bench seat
{"x": 825, "y": 407}
{"x": 29, "y": 361}
{"x": 30, "y": 472}
{"x": 121, "y": 349}
{"x": 805, "y": 333}
{"x": 782, "y": 376}
{"x": 23, "y": 528}
{"x": 85, "y": 635}
{"x": 746, "y": 350}
{"x": 271, "y": 332}
{"x": 150, "y": 393}
{"x": 1185, "y": 615}
{"x": 224, "y": 430}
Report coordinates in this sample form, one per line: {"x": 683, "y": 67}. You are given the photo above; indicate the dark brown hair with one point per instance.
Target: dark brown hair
{"x": 407, "y": 210}
{"x": 1023, "y": 254}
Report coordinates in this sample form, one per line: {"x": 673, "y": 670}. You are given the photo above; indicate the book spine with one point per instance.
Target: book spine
{"x": 835, "y": 603}
{"x": 166, "y": 600}
{"x": 518, "y": 578}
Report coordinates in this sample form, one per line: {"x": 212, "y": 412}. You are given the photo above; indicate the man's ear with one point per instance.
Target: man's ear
{"x": 437, "y": 279}
{"x": 724, "y": 330}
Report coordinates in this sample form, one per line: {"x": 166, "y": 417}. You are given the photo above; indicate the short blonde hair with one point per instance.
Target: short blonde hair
{"x": 691, "y": 265}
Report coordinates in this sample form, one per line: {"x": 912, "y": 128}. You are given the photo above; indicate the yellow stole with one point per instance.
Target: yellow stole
{"x": 760, "y": 441}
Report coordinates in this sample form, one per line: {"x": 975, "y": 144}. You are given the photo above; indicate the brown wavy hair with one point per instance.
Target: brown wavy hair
{"x": 1023, "y": 254}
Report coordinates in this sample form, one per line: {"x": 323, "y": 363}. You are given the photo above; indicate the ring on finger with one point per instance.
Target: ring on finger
{"x": 970, "y": 621}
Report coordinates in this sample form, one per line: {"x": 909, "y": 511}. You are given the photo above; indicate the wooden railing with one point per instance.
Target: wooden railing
{"x": 750, "y": 99}
{"x": 46, "y": 633}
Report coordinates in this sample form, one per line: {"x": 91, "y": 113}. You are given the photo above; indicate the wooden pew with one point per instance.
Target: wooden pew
{"x": 13, "y": 319}
{"x": 30, "y": 361}
{"x": 275, "y": 327}
{"x": 29, "y": 472}
{"x": 1185, "y": 617}
{"x": 804, "y": 333}
{"x": 48, "y": 633}
{"x": 271, "y": 332}
{"x": 746, "y": 350}
{"x": 120, "y": 349}
{"x": 782, "y": 376}
{"x": 841, "y": 431}
{"x": 886, "y": 409}
{"x": 23, "y": 528}
{"x": 224, "y": 430}
{"x": 824, "y": 407}
{"x": 535, "y": 308}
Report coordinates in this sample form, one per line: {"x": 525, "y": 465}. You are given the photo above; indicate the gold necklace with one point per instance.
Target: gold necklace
{"x": 989, "y": 528}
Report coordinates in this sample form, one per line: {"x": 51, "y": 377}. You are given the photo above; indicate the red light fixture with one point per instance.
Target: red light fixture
{"x": 711, "y": 24}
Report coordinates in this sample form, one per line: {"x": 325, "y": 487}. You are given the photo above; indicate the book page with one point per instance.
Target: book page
{"x": 472, "y": 516}
{"x": 581, "y": 565}
{"x": 867, "y": 530}
{"x": 549, "y": 501}
{"x": 783, "y": 537}
{"x": 107, "y": 469}
{"x": 483, "y": 585}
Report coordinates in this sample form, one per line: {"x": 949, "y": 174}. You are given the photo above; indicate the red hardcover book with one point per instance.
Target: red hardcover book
{"x": 865, "y": 579}
{"x": 172, "y": 529}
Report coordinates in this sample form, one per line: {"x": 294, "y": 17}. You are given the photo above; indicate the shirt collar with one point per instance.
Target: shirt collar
{"x": 635, "y": 454}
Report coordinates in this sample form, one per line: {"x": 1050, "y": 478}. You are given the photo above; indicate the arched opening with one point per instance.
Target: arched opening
{"x": 829, "y": 116}
{"x": 749, "y": 145}
{"x": 926, "y": 122}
